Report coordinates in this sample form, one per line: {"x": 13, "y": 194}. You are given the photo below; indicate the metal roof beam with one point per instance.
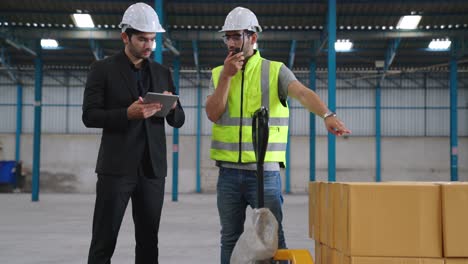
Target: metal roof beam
{"x": 389, "y": 56}
{"x": 318, "y": 45}
{"x": 390, "y": 53}
{"x": 292, "y": 54}
{"x": 202, "y": 35}
{"x": 96, "y": 49}
{"x": 168, "y": 44}
{"x": 5, "y": 61}
{"x": 15, "y": 42}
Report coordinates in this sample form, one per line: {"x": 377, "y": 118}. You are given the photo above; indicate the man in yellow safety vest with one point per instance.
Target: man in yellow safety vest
{"x": 242, "y": 85}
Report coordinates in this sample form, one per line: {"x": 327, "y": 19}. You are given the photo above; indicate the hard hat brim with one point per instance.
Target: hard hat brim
{"x": 125, "y": 26}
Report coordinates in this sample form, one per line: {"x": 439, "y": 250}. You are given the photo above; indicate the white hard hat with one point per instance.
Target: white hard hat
{"x": 141, "y": 17}
{"x": 241, "y": 18}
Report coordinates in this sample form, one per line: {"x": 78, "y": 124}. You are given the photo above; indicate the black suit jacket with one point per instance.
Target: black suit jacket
{"x": 111, "y": 88}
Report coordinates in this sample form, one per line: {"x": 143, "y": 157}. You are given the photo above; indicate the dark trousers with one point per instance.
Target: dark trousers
{"x": 112, "y": 196}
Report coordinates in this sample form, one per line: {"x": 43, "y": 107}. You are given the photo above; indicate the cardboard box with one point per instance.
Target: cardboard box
{"x": 337, "y": 257}
{"x": 456, "y": 261}
{"x": 325, "y": 253}
{"x": 314, "y": 211}
{"x": 326, "y": 215}
{"x": 391, "y": 260}
{"x": 455, "y": 219}
{"x": 318, "y": 253}
{"x": 388, "y": 219}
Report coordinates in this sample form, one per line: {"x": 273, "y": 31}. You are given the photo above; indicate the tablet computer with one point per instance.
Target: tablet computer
{"x": 167, "y": 100}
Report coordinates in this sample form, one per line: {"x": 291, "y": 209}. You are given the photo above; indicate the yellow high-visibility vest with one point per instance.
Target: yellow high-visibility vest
{"x": 250, "y": 89}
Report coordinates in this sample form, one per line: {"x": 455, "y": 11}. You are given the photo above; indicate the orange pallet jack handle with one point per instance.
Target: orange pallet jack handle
{"x": 296, "y": 256}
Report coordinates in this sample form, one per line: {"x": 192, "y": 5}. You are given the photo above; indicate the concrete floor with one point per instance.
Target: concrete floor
{"x": 58, "y": 229}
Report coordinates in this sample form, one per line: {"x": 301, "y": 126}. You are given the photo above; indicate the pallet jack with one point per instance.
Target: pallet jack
{"x": 260, "y": 133}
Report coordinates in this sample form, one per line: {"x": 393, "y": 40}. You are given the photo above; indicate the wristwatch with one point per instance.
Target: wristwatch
{"x": 328, "y": 114}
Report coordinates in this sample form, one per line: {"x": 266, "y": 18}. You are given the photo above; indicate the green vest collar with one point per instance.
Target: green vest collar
{"x": 253, "y": 61}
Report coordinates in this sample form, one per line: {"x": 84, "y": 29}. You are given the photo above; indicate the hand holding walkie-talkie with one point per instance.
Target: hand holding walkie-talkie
{"x": 233, "y": 62}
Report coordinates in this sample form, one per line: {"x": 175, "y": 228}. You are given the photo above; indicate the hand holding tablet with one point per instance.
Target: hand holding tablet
{"x": 167, "y": 101}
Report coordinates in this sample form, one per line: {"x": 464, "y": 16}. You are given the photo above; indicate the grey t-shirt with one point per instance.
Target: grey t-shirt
{"x": 286, "y": 76}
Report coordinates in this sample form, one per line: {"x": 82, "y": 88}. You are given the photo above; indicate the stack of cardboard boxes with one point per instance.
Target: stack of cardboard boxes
{"x": 389, "y": 223}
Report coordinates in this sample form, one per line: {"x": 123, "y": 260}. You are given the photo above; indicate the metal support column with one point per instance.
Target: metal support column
{"x": 19, "y": 120}
{"x": 331, "y": 28}
{"x": 175, "y": 138}
{"x": 312, "y": 128}
{"x": 199, "y": 113}
{"x": 37, "y": 122}
{"x": 378, "y": 136}
{"x": 292, "y": 55}
{"x": 158, "y": 6}
{"x": 389, "y": 57}
{"x": 453, "y": 112}
{"x": 19, "y": 124}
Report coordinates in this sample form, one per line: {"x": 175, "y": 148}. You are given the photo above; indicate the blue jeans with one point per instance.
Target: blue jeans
{"x": 236, "y": 189}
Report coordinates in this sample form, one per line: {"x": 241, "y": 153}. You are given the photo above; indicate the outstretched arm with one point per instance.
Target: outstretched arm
{"x": 310, "y": 100}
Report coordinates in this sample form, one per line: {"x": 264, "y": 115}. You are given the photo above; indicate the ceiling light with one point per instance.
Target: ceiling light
{"x": 379, "y": 64}
{"x": 343, "y": 45}
{"x": 49, "y": 43}
{"x": 83, "y": 20}
{"x": 408, "y": 22}
{"x": 440, "y": 44}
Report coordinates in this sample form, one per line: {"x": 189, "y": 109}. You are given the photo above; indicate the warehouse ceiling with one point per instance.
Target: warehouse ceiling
{"x": 294, "y": 31}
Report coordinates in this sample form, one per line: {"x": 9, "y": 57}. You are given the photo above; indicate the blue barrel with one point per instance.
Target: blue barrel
{"x": 7, "y": 171}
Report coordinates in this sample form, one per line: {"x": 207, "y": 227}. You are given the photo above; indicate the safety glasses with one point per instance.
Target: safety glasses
{"x": 235, "y": 37}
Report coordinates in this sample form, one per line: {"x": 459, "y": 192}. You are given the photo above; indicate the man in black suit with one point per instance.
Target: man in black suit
{"x": 132, "y": 159}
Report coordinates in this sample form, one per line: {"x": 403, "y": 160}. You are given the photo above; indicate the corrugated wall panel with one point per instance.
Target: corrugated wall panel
{"x": 74, "y": 118}
{"x": 438, "y": 114}
{"x": 28, "y": 119}
{"x": 7, "y": 105}
{"x": 54, "y": 104}
{"x": 403, "y": 122}
{"x": 412, "y": 104}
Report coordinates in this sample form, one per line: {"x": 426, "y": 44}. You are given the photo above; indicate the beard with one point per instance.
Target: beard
{"x": 140, "y": 54}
